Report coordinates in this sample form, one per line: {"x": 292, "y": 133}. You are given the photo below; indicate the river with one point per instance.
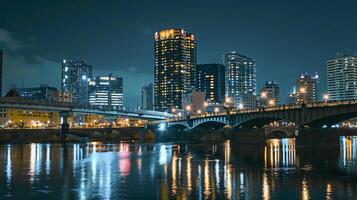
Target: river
{"x": 277, "y": 170}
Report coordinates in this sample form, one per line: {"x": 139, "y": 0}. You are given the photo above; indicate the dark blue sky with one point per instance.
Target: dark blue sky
{"x": 285, "y": 38}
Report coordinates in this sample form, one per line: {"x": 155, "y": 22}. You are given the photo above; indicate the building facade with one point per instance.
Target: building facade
{"x": 76, "y": 75}
{"x": 106, "y": 92}
{"x": 211, "y": 80}
{"x": 306, "y": 88}
{"x": 342, "y": 78}
{"x": 240, "y": 75}
{"x": 147, "y": 97}
{"x": 1, "y": 69}
{"x": 44, "y": 92}
{"x": 270, "y": 93}
{"x": 194, "y": 102}
{"x": 175, "y": 67}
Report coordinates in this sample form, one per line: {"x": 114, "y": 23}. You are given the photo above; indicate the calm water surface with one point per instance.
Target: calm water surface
{"x": 277, "y": 170}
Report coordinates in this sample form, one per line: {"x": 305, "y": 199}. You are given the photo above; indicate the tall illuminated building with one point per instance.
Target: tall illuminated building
{"x": 147, "y": 97}
{"x": 240, "y": 75}
{"x": 1, "y": 69}
{"x": 76, "y": 75}
{"x": 211, "y": 80}
{"x": 306, "y": 88}
{"x": 106, "y": 92}
{"x": 175, "y": 67}
{"x": 342, "y": 78}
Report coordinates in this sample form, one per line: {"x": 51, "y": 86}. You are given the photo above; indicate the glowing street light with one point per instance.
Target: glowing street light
{"x": 216, "y": 109}
{"x": 188, "y": 108}
{"x": 326, "y": 97}
{"x": 173, "y": 110}
{"x": 302, "y": 90}
{"x": 263, "y": 94}
{"x": 205, "y": 104}
{"x": 272, "y": 102}
{"x": 199, "y": 112}
{"x": 179, "y": 114}
{"x": 240, "y": 106}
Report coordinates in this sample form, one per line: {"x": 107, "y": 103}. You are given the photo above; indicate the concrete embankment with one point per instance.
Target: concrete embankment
{"x": 75, "y": 135}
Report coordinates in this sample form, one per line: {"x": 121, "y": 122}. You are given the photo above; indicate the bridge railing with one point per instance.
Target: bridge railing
{"x": 268, "y": 109}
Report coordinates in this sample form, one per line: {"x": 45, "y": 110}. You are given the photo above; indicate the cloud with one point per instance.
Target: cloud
{"x": 8, "y": 41}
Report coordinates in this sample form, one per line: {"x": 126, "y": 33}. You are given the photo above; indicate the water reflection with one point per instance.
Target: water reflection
{"x": 173, "y": 171}
{"x": 280, "y": 154}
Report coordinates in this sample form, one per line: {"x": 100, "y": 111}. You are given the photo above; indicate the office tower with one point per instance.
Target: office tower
{"x": 240, "y": 75}
{"x": 211, "y": 80}
{"x": 1, "y": 69}
{"x": 175, "y": 67}
{"x": 342, "y": 78}
{"x": 106, "y": 92}
{"x": 44, "y": 92}
{"x": 270, "y": 93}
{"x": 75, "y": 78}
{"x": 147, "y": 97}
{"x": 306, "y": 88}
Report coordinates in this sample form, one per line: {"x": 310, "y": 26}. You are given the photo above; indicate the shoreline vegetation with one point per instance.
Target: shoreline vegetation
{"x": 15, "y": 136}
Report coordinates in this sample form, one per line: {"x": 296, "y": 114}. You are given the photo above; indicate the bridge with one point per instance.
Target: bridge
{"x": 313, "y": 115}
{"x": 65, "y": 108}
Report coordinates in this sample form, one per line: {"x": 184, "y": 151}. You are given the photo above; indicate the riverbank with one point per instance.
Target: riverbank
{"x": 14, "y": 136}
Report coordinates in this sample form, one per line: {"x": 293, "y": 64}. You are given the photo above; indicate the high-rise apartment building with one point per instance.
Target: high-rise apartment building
{"x": 147, "y": 97}
{"x": 106, "y": 92}
{"x": 240, "y": 75}
{"x": 175, "y": 67}
{"x": 306, "y": 88}
{"x": 76, "y": 75}
{"x": 211, "y": 80}
{"x": 342, "y": 78}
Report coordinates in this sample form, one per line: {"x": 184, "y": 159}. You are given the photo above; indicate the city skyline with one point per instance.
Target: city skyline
{"x": 276, "y": 44}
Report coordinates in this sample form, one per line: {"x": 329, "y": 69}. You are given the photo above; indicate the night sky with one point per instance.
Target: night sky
{"x": 285, "y": 38}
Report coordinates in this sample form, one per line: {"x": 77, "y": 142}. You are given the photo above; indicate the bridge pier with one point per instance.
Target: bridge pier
{"x": 65, "y": 125}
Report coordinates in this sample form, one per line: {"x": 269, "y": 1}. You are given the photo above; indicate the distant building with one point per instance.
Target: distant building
{"x": 270, "y": 93}
{"x": 44, "y": 92}
{"x": 64, "y": 97}
{"x": 240, "y": 75}
{"x": 211, "y": 80}
{"x": 194, "y": 102}
{"x": 1, "y": 69}
{"x": 342, "y": 78}
{"x": 247, "y": 101}
{"x": 175, "y": 67}
{"x": 147, "y": 98}
{"x": 306, "y": 88}
{"x": 106, "y": 92}
{"x": 76, "y": 75}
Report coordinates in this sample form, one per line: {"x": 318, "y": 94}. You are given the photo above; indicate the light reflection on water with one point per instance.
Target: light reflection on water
{"x": 278, "y": 170}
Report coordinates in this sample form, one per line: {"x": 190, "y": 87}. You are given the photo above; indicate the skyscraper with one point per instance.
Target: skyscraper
{"x": 240, "y": 75}
{"x": 1, "y": 66}
{"x": 75, "y": 78}
{"x": 306, "y": 88}
{"x": 175, "y": 67}
{"x": 106, "y": 92}
{"x": 211, "y": 80}
{"x": 342, "y": 78}
{"x": 270, "y": 93}
{"x": 147, "y": 97}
